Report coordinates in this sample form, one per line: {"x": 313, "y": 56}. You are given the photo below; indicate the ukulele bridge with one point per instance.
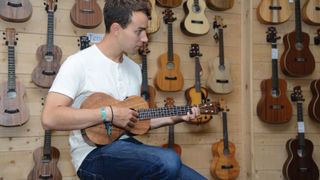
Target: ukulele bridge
{"x": 278, "y": 8}
{"x": 276, "y": 107}
{"x": 171, "y": 78}
{"x": 227, "y": 166}
{"x": 12, "y": 4}
{"x": 196, "y": 22}
{"x": 222, "y": 81}
{"x": 13, "y": 111}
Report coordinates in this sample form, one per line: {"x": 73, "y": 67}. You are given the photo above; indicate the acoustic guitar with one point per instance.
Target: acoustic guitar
{"x": 48, "y": 55}
{"x": 274, "y": 105}
{"x": 273, "y": 11}
{"x": 86, "y": 14}
{"x": 314, "y": 105}
{"x": 224, "y": 165}
{"x": 169, "y": 102}
{"x": 219, "y": 78}
{"x": 97, "y": 135}
{"x": 297, "y": 59}
{"x": 220, "y": 5}
{"x": 15, "y": 10}
{"x": 154, "y": 19}
{"x": 169, "y": 77}
{"x": 197, "y": 94}
{"x": 84, "y": 42}
{"x": 311, "y": 12}
{"x": 169, "y": 3}
{"x": 147, "y": 92}
{"x": 46, "y": 159}
{"x": 13, "y": 108}
{"x": 195, "y": 22}
{"x": 299, "y": 164}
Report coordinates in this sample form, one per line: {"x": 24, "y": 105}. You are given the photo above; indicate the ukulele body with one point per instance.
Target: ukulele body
{"x": 169, "y": 3}
{"x": 293, "y": 167}
{"x": 154, "y": 22}
{"x": 15, "y": 12}
{"x": 152, "y": 97}
{"x": 48, "y": 66}
{"x": 14, "y": 111}
{"x": 314, "y": 105}
{"x": 273, "y": 16}
{"x": 220, "y": 5}
{"x": 86, "y": 14}
{"x": 274, "y": 109}
{"x": 297, "y": 59}
{"x": 310, "y": 14}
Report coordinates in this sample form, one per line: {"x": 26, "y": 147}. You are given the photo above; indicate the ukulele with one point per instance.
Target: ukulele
{"x": 169, "y": 102}
{"x": 273, "y": 11}
{"x": 197, "y": 94}
{"x": 274, "y": 105}
{"x": 299, "y": 164}
{"x": 311, "y": 12}
{"x": 314, "y": 105}
{"x": 169, "y": 76}
{"x": 97, "y": 135}
{"x": 147, "y": 91}
{"x": 297, "y": 59}
{"x": 84, "y": 42}
{"x": 15, "y": 10}
{"x": 154, "y": 20}
{"x": 169, "y": 3}
{"x": 13, "y": 108}
{"x": 86, "y": 14}
{"x": 220, "y": 5}
{"x": 224, "y": 165}
{"x": 219, "y": 78}
{"x": 46, "y": 159}
{"x": 48, "y": 55}
{"x": 195, "y": 22}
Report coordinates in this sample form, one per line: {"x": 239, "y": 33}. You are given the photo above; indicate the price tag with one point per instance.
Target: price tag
{"x": 95, "y": 38}
{"x": 274, "y": 53}
{"x": 300, "y": 127}
{"x": 290, "y": 1}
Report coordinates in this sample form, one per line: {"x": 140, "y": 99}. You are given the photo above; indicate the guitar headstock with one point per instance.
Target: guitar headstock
{"x": 168, "y": 16}
{"x": 51, "y": 5}
{"x": 195, "y": 50}
{"x": 223, "y": 105}
{"x": 169, "y": 102}
{"x": 143, "y": 51}
{"x": 10, "y": 38}
{"x": 272, "y": 35}
{"x": 210, "y": 108}
{"x": 296, "y": 95}
{"x": 84, "y": 42}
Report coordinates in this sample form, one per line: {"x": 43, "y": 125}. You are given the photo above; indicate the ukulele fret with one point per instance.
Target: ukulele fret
{"x": 50, "y": 33}
{"x": 170, "y": 44}
{"x": 11, "y": 69}
{"x": 145, "y": 114}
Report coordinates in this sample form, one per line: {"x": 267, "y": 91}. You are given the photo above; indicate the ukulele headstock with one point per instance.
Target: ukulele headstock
{"x": 144, "y": 50}
{"x": 168, "y": 16}
{"x": 10, "y": 37}
{"x": 169, "y": 102}
{"x": 195, "y": 50}
{"x": 218, "y": 24}
{"x": 296, "y": 95}
{"x": 210, "y": 108}
{"x": 272, "y": 35}
{"x": 51, "y": 5}
{"x": 84, "y": 42}
{"x": 223, "y": 105}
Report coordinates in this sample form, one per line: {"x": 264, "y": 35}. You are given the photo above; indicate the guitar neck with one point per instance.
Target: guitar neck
{"x": 47, "y": 145}
{"x": 298, "y": 21}
{"x": 221, "y": 49}
{"x": 225, "y": 133}
{"x": 50, "y": 28}
{"x": 11, "y": 69}
{"x": 170, "y": 42}
{"x": 275, "y": 78}
{"x": 301, "y": 130}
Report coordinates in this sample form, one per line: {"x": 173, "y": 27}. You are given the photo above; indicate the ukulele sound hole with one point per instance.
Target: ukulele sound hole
{"x": 170, "y": 66}
{"x": 299, "y": 46}
{"x": 275, "y": 93}
{"x": 195, "y": 8}
{"x": 11, "y": 94}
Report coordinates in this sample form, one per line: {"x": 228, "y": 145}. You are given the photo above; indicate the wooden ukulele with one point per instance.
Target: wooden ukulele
{"x": 299, "y": 164}
{"x": 274, "y": 105}
{"x": 169, "y": 3}
{"x": 224, "y": 165}
{"x": 84, "y": 42}
{"x": 273, "y": 11}
{"x": 13, "y": 108}
{"x": 171, "y": 144}
{"x": 46, "y": 159}
{"x": 154, "y": 20}
{"x": 147, "y": 91}
{"x": 219, "y": 78}
{"x": 197, "y": 94}
{"x": 311, "y": 12}
{"x": 169, "y": 76}
{"x": 48, "y": 55}
{"x": 314, "y": 105}
{"x": 220, "y": 5}
{"x": 15, "y": 10}
{"x": 86, "y": 14}
{"x": 297, "y": 59}
{"x": 97, "y": 135}
{"x": 195, "y": 22}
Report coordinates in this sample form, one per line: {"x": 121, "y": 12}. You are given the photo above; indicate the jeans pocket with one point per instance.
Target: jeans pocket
{"x": 85, "y": 175}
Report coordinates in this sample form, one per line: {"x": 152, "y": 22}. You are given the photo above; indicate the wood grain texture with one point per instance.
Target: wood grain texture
{"x": 314, "y": 105}
{"x": 169, "y": 3}
{"x": 220, "y": 5}
{"x": 311, "y": 13}
{"x": 86, "y": 14}
{"x": 273, "y": 16}
{"x": 15, "y": 11}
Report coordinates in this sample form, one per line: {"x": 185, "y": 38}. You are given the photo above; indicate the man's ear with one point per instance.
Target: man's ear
{"x": 115, "y": 28}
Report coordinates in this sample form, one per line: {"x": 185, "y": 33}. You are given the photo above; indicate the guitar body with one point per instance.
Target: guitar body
{"x": 47, "y": 68}
{"x": 220, "y": 5}
{"x": 272, "y": 109}
{"x": 195, "y": 22}
{"x": 224, "y": 166}
{"x": 154, "y": 22}
{"x": 310, "y": 14}
{"x": 292, "y": 169}
{"x": 266, "y": 15}
{"x": 14, "y": 111}
{"x": 12, "y": 11}
{"x": 193, "y": 98}
{"x": 36, "y": 172}
{"x": 297, "y": 60}
{"x": 169, "y": 3}
{"x": 86, "y": 14}
{"x": 169, "y": 76}
{"x": 219, "y": 79}
{"x": 314, "y": 105}
{"x": 152, "y": 97}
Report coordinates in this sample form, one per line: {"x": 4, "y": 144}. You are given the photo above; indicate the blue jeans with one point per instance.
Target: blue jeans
{"x": 129, "y": 159}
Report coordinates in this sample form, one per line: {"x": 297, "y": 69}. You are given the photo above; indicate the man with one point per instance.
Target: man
{"x": 105, "y": 68}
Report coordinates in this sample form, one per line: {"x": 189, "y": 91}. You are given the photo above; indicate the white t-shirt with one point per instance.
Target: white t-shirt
{"x": 90, "y": 71}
